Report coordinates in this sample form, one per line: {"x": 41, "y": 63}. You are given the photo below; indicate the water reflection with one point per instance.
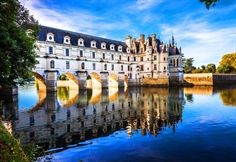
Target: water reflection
{"x": 99, "y": 113}
{"x": 67, "y": 117}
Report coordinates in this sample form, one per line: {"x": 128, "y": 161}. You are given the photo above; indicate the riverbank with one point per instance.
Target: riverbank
{"x": 10, "y": 147}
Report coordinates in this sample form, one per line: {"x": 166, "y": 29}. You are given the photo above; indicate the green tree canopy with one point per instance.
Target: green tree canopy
{"x": 208, "y": 3}
{"x": 17, "y": 51}
{"x": 227, "y": 63}
{"x": 210, "y": 68}
{"x": 188, "y": 65}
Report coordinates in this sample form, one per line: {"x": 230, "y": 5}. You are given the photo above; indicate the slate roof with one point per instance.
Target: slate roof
{"x": 74, "y": 36}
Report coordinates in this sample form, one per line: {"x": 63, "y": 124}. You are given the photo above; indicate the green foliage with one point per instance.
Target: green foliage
{"x": 227, "y": 64}
{"x": 89, "y": 77}
{"x": 210, "y": 68}
{"x": 63, "y": 77}
{"x": 208, "y": 3}
{"x": 17, "y": 51}
{"x": 188, "y": 65}
{"x": 10, "y": 149}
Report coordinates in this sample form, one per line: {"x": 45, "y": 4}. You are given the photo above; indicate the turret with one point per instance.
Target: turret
{"x": 128, "y": 41}
{"x": 173, "y": 41}
{"x": 153, "y": 41}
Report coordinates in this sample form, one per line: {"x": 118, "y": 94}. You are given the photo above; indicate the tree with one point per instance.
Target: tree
{"x": 210, "y": 68}
{"x": 227, "y": 63}
{"x": 208, "y": 3}
{"x": 188, "y": 65}
{"x": 17, "y": 51}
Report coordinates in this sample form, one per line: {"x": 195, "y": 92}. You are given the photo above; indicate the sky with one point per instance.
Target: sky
{"x": 204, "y": 35}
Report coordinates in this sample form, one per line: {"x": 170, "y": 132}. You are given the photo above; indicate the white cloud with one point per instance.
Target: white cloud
{"x": 207, "y": 44}
{"x": 146, "y": 4}
{"x": 77, "y": 20}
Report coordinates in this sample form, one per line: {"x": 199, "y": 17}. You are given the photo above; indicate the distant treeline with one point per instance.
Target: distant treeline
{"x": 226, "y": 65}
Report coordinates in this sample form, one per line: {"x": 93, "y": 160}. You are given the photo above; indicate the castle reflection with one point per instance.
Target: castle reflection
{"x": 66, "y": 117}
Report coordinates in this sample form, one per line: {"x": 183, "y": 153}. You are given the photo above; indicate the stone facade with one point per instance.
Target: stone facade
{"x": 79, "y": 56}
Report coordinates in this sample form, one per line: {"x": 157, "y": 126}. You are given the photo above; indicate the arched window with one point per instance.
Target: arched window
{"x": 128, "y": 58}
{"x": 51, "y": 64}
{"x": 121, "y": 67}
{"x": 105, "y": 66}
{"x": 82, "y": 65}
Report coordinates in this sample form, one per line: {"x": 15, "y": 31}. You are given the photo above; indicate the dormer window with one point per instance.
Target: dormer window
{"x": 80, "y": 42}
{"x": 120, "y": 48}
{"x": 50, "y": 37}
{"x": 93, "y": 44}
{"x": 67, "y": 40}
{"x": 128, "y": 50}
{"x": 112, "y": 47}
{"x": 103, "y": 45}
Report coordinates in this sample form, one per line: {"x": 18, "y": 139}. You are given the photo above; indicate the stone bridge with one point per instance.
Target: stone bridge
{"x": 47, "y": 79}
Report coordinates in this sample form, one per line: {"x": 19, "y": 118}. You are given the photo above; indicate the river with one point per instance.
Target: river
{"x": 129, "y": 125}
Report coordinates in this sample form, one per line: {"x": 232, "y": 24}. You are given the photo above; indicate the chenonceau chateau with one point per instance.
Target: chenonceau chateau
{"x": 95, "y": 62}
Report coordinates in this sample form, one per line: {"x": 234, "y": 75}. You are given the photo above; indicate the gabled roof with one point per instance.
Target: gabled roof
{"x": 59, "y": 36}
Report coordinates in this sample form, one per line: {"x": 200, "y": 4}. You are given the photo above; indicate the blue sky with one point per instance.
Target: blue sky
{"x": 205, "y": 35}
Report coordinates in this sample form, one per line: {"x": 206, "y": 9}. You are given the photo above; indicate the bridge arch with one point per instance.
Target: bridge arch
{"x": 39, "y": 80}
{"x": 93, "y": 81}
{"x": 71, "y": 81}
{"x": 113, "y": 81}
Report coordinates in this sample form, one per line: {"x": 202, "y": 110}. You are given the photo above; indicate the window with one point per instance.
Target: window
{"x": 80, "y": 42}
{"x": 112, "y": 47}
{"x": 52, "y": 64}
{"x": 112, "y": 57}
{"x": 81, "y": 53}
{"x": 93, "y": 44}
{"x": 93, "y": 54}
{"x": 82, "y": 65}
{"x": 164, "y": 68}
{"x": 128, "y": 68}
{"x": 141, "y": 58}
{"x": 67, "y": 52}
{"x": 147, "y": 68}
{"x": 155, "y": 57}
{"x": 120, "y": 57}
{"x": 50, "y": 50}
{"x": 50, "y": 37}
{"x": 164, "y": 59}
{"x": 105, "y": 66}
{"x": 128, "y": 58}
{"x": 147, "y": 59}
{"x": 67, "y": 40}
{"x": 121, "y": 67}
{"x": 103, "y": 56}
{"x": 134, "y": 58}
{"x": 112, "y": 67}
{"x": 141, "y": 67}
{"x": 177, "y": 62}
{"x": 155, "y": 66}
{"x": 120, "y": 48}
{"x": 103, "y": 45}
{"x": 94, "y": 66}
{"x": 67, "y": 65}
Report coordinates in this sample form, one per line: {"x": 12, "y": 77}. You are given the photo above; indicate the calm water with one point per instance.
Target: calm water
{"x": 138, "y": 124}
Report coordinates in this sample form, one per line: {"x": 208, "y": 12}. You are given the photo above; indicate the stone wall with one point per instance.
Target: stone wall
{"x": 209, "y": 79}
{"x": 158, "y": 82}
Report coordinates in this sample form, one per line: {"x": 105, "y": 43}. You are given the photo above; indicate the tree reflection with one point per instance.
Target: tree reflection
{"x": 189, "y": 97}
{"x": 228, "y": 97}
{"x": 63, "y": 93}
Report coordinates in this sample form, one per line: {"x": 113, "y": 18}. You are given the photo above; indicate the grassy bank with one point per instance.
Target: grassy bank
{"x": 10, "y": 149}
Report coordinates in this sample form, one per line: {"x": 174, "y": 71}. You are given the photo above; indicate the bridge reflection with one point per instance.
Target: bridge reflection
{"x": 64, "y": 120}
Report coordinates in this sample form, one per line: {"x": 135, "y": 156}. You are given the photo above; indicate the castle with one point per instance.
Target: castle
{"x": 93, "y": 62}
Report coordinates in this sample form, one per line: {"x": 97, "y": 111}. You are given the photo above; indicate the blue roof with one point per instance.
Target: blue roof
{"x": 59, "y": 35}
